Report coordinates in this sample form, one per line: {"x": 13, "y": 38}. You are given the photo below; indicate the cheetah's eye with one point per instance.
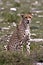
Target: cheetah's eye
{"x": 25, "y": 17}
{"x": 29, "y": 17}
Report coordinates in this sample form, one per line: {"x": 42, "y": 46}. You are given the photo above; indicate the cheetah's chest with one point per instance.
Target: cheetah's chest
{"x": 27, "y": 31}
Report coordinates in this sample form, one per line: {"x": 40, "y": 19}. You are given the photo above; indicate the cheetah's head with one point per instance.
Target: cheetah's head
{"x": 26, "y": 18}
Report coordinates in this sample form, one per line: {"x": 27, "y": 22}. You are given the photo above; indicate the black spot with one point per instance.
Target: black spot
{"x": 40, "y": 61}
{"x": 24, "y": 33}
{"x": 29, "y": 45}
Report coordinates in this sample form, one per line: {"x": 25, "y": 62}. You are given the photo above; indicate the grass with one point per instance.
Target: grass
{"x": 13, "y": 58}
{"x": 10, "y": 58}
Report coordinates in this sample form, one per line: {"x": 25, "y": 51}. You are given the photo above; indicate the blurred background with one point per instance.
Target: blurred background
{"x": 9, "y": 11}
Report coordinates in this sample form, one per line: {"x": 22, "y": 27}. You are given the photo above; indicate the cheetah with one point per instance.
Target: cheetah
{"x": 21, "y": 34}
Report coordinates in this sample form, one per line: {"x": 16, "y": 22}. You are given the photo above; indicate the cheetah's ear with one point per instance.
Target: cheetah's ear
{"x": 22, "y": 15}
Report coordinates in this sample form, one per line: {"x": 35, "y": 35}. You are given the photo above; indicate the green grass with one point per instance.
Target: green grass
{"x": 13, "y": 58}
{"x": 9, "y": 58}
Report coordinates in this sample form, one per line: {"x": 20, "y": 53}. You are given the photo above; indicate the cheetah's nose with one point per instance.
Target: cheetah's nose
{"x": 27, "y": 21}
